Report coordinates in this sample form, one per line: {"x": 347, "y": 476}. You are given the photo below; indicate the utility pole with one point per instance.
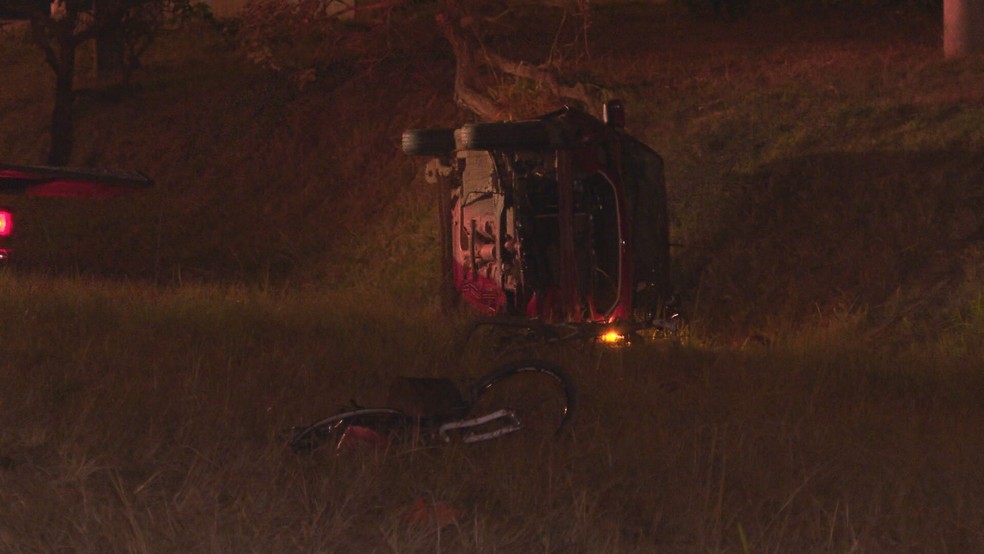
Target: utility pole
{"x": 963, "y": 27}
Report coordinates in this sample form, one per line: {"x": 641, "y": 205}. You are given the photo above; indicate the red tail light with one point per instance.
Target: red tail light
{"x": 6, "y": 223}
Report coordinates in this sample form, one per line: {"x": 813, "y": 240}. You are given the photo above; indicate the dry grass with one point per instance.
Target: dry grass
{"x": 824, "y": 183}
{"x": 156, "y": 423}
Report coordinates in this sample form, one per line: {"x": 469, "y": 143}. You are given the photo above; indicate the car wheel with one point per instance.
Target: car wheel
{"x": 428, "y": 142}
{"x": 533, "y": 134}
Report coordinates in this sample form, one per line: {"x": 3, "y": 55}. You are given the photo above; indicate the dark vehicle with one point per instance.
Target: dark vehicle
{"x": 561, "y": 218}
{"x": 61, "y": 182}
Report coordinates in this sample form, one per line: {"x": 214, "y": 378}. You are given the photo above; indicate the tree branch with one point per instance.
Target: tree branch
{"x": 39, "y": 33}
{"x": 542, "y": 76}
{"x": 459, "y": 27}
{"x": 466, "y": 66}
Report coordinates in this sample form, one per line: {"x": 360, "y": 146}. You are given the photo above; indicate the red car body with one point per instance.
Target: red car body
{"x": 562, "y": 218}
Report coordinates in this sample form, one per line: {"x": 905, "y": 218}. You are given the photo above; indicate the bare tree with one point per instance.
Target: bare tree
{"x": 462, "y": 27}
{"x": 58, "y": 29}
{"x": 304, "y": 38}
{"x": 127, "y": 28}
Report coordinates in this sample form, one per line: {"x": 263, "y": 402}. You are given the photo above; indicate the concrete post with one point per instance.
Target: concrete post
{"x": 963, "y": 27}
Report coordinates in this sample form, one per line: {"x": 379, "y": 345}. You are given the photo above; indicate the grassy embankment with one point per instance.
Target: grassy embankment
{"x": 825, "y": 184}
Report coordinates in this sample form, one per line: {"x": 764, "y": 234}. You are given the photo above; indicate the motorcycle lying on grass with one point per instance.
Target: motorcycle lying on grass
{"x": 532, "y": 397}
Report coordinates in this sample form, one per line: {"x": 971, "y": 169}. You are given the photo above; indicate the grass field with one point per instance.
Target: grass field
{"x": 825, "y": 185}
{"x": 143, "y": 420}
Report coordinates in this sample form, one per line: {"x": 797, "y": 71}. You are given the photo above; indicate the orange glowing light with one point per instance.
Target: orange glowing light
{"x": 612, "y": 337}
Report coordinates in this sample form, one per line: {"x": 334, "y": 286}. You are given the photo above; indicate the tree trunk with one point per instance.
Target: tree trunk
{"x": 474, "y": 65}
{"x": 110, "y": 45}
{"x": 61, "y": 115}
{"x": 467, "y": 66}
{"x": 963, "y": 27}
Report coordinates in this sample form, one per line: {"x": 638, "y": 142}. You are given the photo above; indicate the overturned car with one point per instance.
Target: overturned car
{"x": 562, "y": 218}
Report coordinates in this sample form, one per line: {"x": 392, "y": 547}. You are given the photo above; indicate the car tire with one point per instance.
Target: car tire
{"x": 513, "y": 135}
{"x": 428, "y": 142}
